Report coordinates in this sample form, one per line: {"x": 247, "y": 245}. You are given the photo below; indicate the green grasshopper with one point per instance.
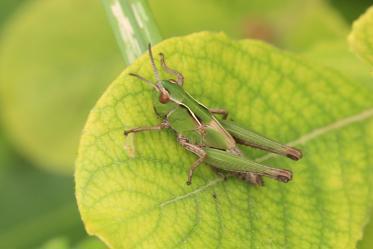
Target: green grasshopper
{"x": 200, "y": 132}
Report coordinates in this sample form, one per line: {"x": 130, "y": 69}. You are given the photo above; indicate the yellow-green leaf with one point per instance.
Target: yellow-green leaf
{"x": 132, "y": 193}
{"x": 336, "y": 54}
{"x": 361, "y": 37}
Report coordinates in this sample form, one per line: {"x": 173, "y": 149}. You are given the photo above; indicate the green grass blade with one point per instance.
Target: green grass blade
{"x": 133, "y": 25}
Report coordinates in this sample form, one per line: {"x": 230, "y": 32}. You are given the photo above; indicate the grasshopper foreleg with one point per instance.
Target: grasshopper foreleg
{"x": 196, "y": 150}
{"x": 163, "y": 125}
{"x": 193, "y": 167}
{"x": 219, "y": 111}
{"x": 179, "y": 76}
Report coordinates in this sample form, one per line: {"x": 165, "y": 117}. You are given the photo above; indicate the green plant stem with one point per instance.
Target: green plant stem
{"x": 133, "y": 25}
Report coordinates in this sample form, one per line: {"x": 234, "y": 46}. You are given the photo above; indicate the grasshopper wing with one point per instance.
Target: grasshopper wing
{"x": 234, "y": 163}
{"x": 252, "y": 139}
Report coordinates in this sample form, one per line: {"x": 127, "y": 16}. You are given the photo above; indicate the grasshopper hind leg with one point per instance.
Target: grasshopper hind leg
{"x": 196, "y": 150}
{"x": 194, "y": 166}
{"x": 252, "y": 178}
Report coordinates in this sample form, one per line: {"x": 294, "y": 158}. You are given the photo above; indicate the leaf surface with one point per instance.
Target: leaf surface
{"x": 132, "y": 193}
{"x": 336, "y": 55}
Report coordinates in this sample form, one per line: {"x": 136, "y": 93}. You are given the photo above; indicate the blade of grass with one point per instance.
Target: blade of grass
{"x": 133, "y": 25}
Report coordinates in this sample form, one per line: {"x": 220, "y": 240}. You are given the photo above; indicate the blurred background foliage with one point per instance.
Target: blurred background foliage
{"x": 7, "y": 8}
{"x": 287, "y": 23}
{"x": 67, "y": 57}
{"x": 56, "y": 60}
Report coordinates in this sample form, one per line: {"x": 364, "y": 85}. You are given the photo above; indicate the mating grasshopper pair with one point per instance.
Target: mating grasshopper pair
{"x": 200, "y": 132}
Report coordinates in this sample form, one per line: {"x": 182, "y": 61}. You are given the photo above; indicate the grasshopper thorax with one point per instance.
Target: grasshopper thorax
{"x": 170, "y": 91}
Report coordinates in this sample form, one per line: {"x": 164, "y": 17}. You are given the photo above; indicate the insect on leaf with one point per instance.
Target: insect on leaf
{"x": 141, "y": 200}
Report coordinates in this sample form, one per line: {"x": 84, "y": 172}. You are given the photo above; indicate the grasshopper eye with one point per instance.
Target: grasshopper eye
{"x": 164, "y": 97}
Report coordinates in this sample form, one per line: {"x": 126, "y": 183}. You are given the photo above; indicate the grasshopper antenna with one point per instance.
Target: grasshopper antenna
{"x": 143, "y": 79}
{"x": 155, "y": 70}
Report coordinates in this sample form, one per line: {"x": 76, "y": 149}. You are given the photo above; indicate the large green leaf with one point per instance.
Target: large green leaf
{"x": 336, "y": 54}
{"x": 361, "y": 37}
{"x": 55, "y": 60}
{"x": 132, "y": 193}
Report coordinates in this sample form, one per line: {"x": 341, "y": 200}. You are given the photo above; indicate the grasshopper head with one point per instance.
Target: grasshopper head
{"x": 167, "y": 89}
{"x": 164, "y": 94}
{"x": 171, "y": 91}
{"x": 161, "y": 87}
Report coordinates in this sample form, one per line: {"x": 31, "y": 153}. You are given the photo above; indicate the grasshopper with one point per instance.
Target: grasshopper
{"x": 200, "y": 132}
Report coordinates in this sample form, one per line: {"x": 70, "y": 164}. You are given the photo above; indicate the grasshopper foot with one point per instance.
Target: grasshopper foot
{"x": 284, "y": 176}
{"x": 294, "y": 154}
